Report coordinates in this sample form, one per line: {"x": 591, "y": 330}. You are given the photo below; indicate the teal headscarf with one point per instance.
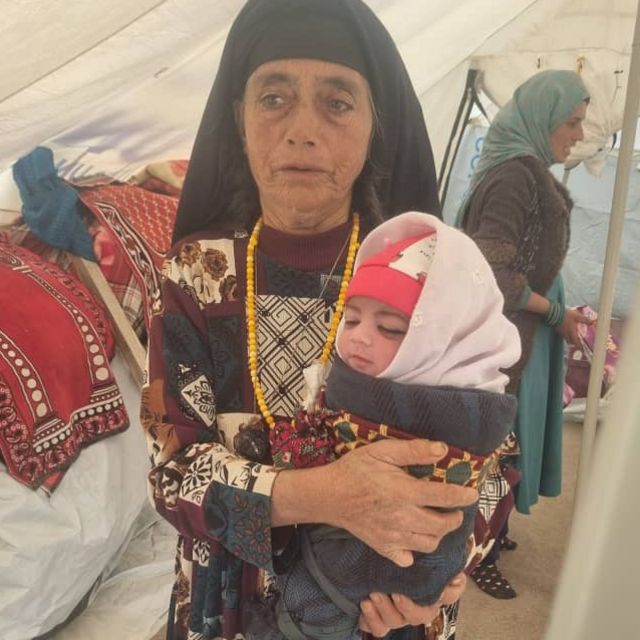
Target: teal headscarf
{"x": 522, "y": 126}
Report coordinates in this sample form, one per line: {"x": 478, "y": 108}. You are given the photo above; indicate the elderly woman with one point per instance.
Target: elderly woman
{"x": 518, "y": 214}
{"x": 311, "y": 132}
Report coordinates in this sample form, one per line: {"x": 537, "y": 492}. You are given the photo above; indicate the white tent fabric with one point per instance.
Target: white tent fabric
{"x": 593, "y": 37}
{"x": 132, "y": 603}
{"x": 55, "y": 550}
{"x": 135, "y": 77}
{"x": 598, "y": 591}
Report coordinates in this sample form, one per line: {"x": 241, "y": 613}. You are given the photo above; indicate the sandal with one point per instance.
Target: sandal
{"x": 489, "y": 579}
{"x": 507, "y": 544}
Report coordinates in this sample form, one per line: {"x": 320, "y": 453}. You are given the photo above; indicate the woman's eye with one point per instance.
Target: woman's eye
{"x": 340, "y": 106}
{"x": 271, "y": 101}
{"x": 350, "y": 323}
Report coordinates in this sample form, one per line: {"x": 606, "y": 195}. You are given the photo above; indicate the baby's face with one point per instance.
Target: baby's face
{"x": 372, "y": 334}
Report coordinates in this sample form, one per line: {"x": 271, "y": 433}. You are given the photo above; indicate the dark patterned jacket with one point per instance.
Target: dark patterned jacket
{"x": 198, "y": 378}
{"x": 519, "y": 217}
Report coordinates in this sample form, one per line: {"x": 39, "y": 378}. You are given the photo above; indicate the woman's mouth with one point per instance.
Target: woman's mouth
{"x": 301, "y": 168}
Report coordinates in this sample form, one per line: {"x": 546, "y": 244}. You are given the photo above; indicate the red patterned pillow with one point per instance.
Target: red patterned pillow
{"x": 142, "y": 223}
{"x": 57, "y": 392}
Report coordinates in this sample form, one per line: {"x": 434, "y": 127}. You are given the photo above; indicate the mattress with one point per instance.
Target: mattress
{"x": 54, "y": 550}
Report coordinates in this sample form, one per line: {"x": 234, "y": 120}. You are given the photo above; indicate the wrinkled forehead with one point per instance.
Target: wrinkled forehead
{"x": 297, "y": 72}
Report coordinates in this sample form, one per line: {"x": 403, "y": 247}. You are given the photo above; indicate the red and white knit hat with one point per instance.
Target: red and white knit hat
{"x": 395, "y": 276}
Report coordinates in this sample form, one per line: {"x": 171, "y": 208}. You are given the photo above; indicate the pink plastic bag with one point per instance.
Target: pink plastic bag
{"x": 580, "y": 358}
{"x": 568, "y": 394}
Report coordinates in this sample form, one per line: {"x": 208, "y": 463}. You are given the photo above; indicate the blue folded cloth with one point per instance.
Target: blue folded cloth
{"x": 50, "y": 204}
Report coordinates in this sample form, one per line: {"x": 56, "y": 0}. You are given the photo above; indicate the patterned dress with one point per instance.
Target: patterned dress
{"x": 197, "y": 395}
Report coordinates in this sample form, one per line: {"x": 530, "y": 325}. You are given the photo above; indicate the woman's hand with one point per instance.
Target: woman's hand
{"x": 381, "y": 613}
{"x": 389, "y": 510}
{"x": 569, "y": 327}
{"x": 367, "y": 493}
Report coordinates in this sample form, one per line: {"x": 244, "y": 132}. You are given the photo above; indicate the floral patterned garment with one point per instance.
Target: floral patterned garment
{"x": 197, "y": 394}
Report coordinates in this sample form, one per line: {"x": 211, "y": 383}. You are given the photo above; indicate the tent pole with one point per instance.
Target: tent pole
{"x": 447, "y": 163}
{"x": 607, "y": 287}
{"x": 460, "y": 135}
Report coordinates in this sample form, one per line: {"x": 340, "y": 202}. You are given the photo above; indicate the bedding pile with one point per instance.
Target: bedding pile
{"x": 132, "y": 232}
{"x": 57, "y": 392}
{"x": 72, "y": 475}
{"x": 128, "y": 225}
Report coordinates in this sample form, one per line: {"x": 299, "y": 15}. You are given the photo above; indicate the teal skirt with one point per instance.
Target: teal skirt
{"x": 538, "y": 425}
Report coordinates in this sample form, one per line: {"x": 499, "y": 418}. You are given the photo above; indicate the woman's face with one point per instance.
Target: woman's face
{"x": 563, "y": 137}
{"x": 307, "y": 125}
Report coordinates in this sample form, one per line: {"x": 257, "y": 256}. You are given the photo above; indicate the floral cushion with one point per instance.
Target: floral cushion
{"x": 57, "y": 391}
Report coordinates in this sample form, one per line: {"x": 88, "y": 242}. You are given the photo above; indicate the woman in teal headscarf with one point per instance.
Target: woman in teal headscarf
{"x": 518, "y": 214}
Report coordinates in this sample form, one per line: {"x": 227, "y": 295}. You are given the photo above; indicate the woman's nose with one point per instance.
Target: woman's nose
{"x": 303, "y": 126}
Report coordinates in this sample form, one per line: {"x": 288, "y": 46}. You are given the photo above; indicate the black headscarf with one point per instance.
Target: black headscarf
{"x": 345, "y": 32}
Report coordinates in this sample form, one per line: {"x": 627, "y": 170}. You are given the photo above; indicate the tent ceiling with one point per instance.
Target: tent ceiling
{"x": 94, "y": 75}
{"x": 44, "y": 35}
{"x": 593, "y": 36}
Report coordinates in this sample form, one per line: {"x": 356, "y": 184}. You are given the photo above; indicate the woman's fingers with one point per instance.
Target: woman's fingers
{"x": 422, "y": 492}
{"x": 379, "y": 615}
{"x": 580, "y": 317}
{"x": 400, "y": 549}
{"x": 401, "y": 557}
{"x": 388, "y": 509}
{"x": 397, "y": 453}
{"x": 444, "y": 496}
{"x": 421, "y": 529}
{"x": 397, "y": 543}
{"x": 412, "y": 613}
{"x": 569, "y": 329}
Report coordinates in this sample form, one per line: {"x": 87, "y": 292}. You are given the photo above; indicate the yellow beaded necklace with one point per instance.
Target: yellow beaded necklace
{"x": 252, "y": 343}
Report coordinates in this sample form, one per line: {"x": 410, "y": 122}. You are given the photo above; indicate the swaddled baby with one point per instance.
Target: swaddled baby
{"x": 421, "y": 346}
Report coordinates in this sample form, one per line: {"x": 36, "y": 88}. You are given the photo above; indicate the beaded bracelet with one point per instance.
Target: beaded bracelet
{"x": 555, "y": 315}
